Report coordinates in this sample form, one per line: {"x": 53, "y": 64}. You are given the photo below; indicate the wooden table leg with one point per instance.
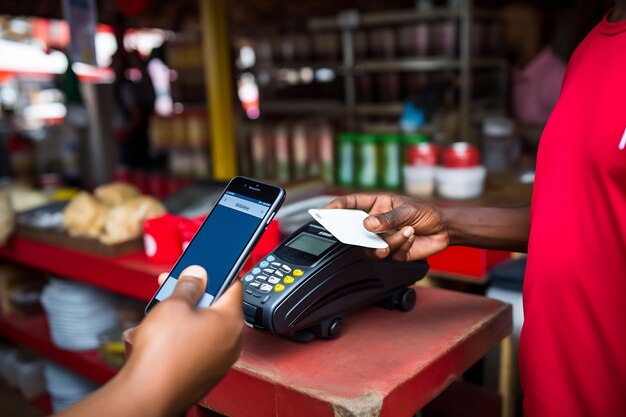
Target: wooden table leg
{"x": 508, "y": 376}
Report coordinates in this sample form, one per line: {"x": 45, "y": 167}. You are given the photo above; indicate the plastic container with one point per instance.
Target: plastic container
{"x": 8, "y": 359}
{"x": 419, "y": 181}
{"x": 346, "y": 150}
{"x": 391, "y": 155}
{"x": 461, "y": 183}
{"x": 419, "y": 152}
{"x": 161, "y": 238}
{"x": 29, "y": 376}
{"x": 461, "y": 155}
{"x": 188, "y": 229}
{"x": 501, "y": 148}
{"x": 367, "y": 161}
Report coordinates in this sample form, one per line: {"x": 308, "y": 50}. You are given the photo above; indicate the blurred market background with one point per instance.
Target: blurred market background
{"x": 113, "y": 108}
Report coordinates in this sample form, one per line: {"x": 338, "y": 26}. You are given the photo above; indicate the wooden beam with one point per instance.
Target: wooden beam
{"x": 218, "y": 76}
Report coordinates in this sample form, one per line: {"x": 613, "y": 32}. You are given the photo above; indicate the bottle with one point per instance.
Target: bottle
{"x": 346, "y": 147}
{"x": 326, "y": 156}
{"x": 367, "y": 167}
{"x": 502, "y": 149}
{"x": 391, "y": 157}
{"x": 281, "y": 147}
{"x": 299, "y": 147}
{"x": 259, "y": 155}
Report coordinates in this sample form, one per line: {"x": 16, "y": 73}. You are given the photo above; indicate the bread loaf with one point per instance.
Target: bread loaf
{"x": 85, "y": 216}
{"x": 7, "y": 217}
{"x": 116, "y": 193}
{"x": 125, "y": 221}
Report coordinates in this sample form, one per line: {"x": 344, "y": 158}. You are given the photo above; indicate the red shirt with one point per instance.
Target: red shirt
{"x": 573, "y": 343}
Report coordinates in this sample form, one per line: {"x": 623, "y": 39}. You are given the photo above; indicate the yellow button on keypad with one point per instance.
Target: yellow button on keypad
{"x": 289, "y": 279}
{"x": 279, "y": 287}
{"x": 297, "y": 272}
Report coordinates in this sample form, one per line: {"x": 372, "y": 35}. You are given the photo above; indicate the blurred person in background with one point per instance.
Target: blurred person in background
{"x": 73, "y": 131}
{"x": 537, "y": 70}
{"x": 134, "y": 101}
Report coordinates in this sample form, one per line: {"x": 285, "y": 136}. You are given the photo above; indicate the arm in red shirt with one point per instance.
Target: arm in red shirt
{"x": 415, "y": 229}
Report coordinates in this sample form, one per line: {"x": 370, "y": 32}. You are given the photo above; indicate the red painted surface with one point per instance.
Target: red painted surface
{"x": 392, "y": 360}
{"x": 130, "y": 275}
{"x": 43, "y": 403}
{"x": 384, "y": 360}
{"x": 32, "y": 332}
{"x": 466, "y": 263}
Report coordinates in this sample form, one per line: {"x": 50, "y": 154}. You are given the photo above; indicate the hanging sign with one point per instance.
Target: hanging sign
{"x": 81, "y": 17}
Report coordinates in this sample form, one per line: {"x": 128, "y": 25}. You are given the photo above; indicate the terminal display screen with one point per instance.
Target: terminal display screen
{"x": 309, "y": 243}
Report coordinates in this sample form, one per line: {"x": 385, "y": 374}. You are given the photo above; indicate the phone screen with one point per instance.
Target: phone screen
{"x": 220, "y": 242}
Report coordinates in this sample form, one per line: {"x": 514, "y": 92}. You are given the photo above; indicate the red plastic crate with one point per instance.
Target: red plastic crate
{"x": 467, "y": 264}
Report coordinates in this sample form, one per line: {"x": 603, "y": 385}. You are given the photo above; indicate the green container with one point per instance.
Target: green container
{"x": 368, "y": 161}
{"x": 415, "y": 139}
{"x": 346, "y": 144}
{"x": 391, "y": 161}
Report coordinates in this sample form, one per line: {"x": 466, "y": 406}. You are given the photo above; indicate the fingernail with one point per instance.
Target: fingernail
{"x": 373, "y": 222}
{"x": 194, "y": 271}
{"x": 407, "y": 232}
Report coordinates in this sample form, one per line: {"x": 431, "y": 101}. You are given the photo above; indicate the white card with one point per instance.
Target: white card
{"x": 347, "y": 226}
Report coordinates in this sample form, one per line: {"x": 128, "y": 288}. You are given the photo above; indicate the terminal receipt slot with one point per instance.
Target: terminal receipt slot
{"x": 307, "y": 285}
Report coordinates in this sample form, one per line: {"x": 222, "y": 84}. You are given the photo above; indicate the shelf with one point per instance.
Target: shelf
{"x": 486, "y": 63}
{"x": 391, "y": 17}
{"x": 398, "y": 17}
{"x": 130, "y": 275}
{"x": 302, "y": 106}
{"x": 407, "y": 64}
{"x": 275, "y": 66}
{"x": 32, "y": 332}
{"x": 394, "y": 64}
{"x": 425, "y": 64}
{"x": 379, "y": 109}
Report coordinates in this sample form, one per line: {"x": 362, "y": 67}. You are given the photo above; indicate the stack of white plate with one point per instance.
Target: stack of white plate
{"x": 77, "y": 314}
{"x": 65, "y": 387}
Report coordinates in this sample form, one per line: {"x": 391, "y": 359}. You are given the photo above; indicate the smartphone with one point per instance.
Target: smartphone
{"x": 226, "y": 237}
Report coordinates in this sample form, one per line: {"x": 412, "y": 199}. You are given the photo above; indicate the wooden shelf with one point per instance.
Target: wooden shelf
{"x": 398, "y": 17}
{"x": 425, "y": 64}
{"x": 302, "y": 107}
{"x": 379, "y": 109}
{"x": 32, "y": 332}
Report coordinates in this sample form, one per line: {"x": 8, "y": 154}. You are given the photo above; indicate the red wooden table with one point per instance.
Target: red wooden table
{"x": 385, "y": 363}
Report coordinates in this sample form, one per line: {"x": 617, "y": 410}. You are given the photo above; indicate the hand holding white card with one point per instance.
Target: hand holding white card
{"x": 347, "y": 226}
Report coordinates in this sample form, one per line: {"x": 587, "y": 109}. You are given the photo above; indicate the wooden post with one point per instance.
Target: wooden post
{"x": 218, "y": 77}
{"x": 508, "y": 376}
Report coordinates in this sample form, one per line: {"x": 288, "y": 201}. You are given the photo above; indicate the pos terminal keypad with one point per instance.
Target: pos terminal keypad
{"x": 269, "y": 277}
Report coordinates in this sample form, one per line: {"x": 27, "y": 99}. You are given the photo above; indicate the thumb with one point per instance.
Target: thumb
{"x": 231, "y": 302}
{"x": 395, "y": 219}
{"x": 191, "y": 285}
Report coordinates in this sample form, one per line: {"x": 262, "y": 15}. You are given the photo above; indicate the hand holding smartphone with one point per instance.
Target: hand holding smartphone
{"x": 226, "y": 237}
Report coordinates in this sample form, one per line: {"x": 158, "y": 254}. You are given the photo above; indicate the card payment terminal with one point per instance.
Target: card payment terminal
{"x": 306, "y": 286}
